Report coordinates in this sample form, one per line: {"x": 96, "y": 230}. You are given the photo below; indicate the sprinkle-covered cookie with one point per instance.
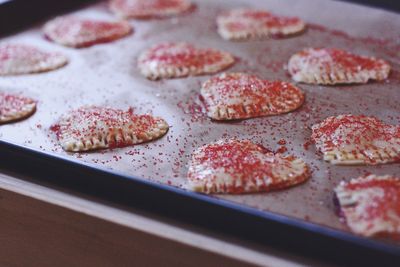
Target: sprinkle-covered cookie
{"x": 334, "y": 66}
{"x": 231, "y": 96}
{"x": 357, "y": 139}
{"x": 17, "y": 59}
{"x": 240, "y": 166}
{"x": 371, "y": 205}
{"x": 15, "y": 107}
{"x": 90, "y": 128}
{"x": 142, "y": 9}
{"x": 173, "y": 60}
{"x": 78, "y": 32}
{"x": 245, "y": 24}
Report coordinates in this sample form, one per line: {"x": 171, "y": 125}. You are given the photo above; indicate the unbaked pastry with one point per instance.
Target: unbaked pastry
{"x": 245, "y": 24}
{"x": 231, "y": 96}
{"x": 371, "y": 205}
{"x": 240, "y": 166}
{"x": 357, "y": 139}
{"x": 92, "y": 127}
{"x": 16, "y": 59}
{"x": 78, "y": 32}
{"x": 142, "y": 9}
{"x": 334, "y": 66}
{"x": 173, "y": 60}
{"x": 15, "y": 107}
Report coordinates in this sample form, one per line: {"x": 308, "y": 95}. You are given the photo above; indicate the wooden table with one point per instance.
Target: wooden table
{"x": 47, "y": 226}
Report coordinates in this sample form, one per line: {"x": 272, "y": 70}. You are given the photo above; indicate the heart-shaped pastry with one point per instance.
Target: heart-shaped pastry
{"x": 240, "y": 166}
{"x": 244, "y": 24}
{"x": 371, "y": 205}
{"x": 352, "y": 139}
{"x": 334, "y": 66}
{"x": 142, "y": 9}
{"x": 15, "y": 107}
{"x": 92, "y": 127}
{"x": 77, "y": 32}
{"x": 173, "y": 60}
{"x": 232, "y": 96}
{"x": 16, "y": 59}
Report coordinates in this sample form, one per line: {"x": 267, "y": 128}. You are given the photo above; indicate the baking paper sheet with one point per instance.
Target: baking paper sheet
{"x": 107, "y": 75}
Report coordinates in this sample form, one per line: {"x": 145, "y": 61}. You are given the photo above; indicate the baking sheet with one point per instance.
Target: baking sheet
{"x": 107, "y": 75}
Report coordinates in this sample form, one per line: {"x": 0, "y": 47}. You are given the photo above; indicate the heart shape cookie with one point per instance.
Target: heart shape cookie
{"x": 15, "y": 107}
{"x": 77, "y": 32}
{"x": 240, "y": 166}
{"x": 232, "y": 96}
{"x": 142, "y": 9}
{"x": 173, "y": 60}
{"x": 334, "y": 66}
{"x": 352, "y": 139}
{"x": 371, "y": 205}
{"x": 90, "y": 128}
{"x": 16, "y": 59}
{"x": 245, "y": 24}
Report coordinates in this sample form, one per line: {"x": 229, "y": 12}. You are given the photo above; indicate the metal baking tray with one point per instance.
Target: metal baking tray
{"x": 301, "y": 219}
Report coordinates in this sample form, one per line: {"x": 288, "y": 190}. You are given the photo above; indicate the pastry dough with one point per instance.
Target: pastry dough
{"x": 244, "y": 24}
{"x": 15, "y": 107}
{"x": 371, "y": 205}
{"x": 16, "y": 59}
{"x": 148, "y": 8}
{"x": 92, "y": 127}
{"x": 232, "y": 96}
{"x": 334, "y": 66}
{"x": 351, "y": 139}
{"x": 77, "y": 32}
{"x": 172, "y": 60}
{"x": 240, "y": 166}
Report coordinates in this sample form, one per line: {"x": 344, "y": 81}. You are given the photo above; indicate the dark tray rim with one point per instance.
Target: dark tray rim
{"x": 263, "y": 227}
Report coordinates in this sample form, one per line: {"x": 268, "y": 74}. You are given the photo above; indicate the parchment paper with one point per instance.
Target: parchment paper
{"x": 107, "y": 75}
